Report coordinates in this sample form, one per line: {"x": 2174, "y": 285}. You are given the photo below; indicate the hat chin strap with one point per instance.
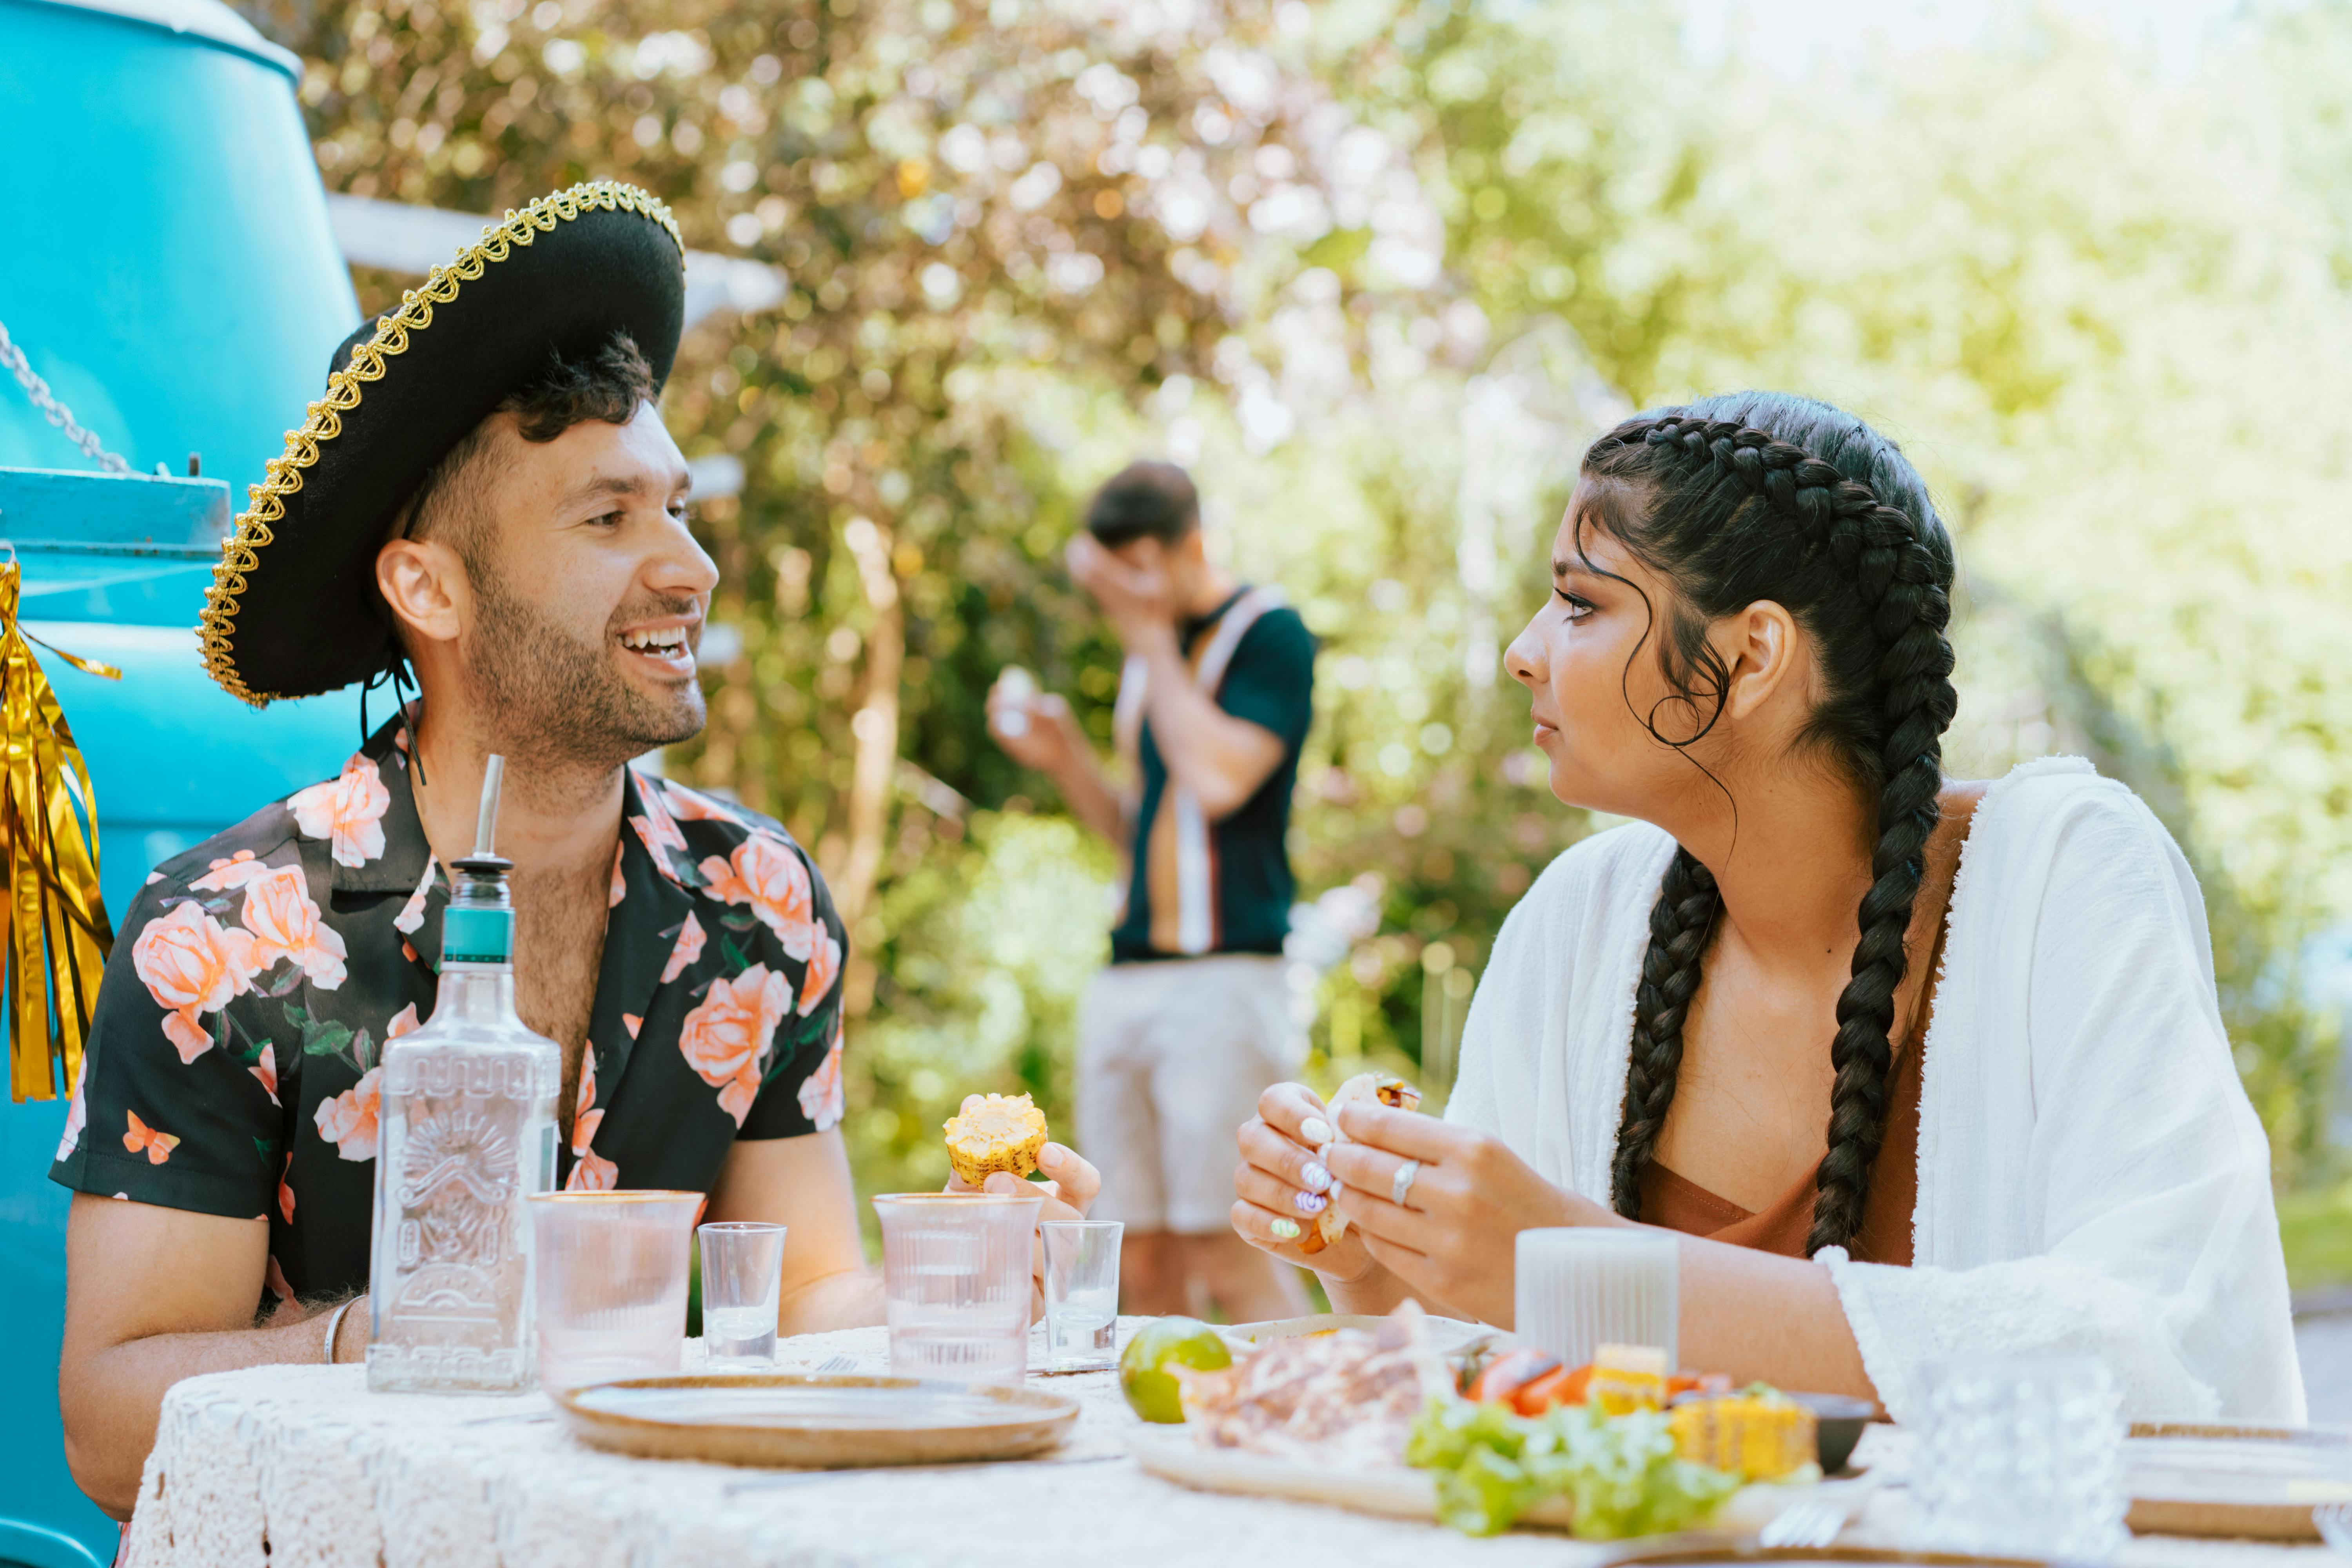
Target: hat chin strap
{"x": 403, "y": 683}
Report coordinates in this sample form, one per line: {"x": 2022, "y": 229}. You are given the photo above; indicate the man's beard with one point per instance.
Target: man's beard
{"x": 549, "y": 695}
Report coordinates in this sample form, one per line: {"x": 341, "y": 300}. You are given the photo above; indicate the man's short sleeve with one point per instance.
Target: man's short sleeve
{"x": 801, "y": 1091}
{"x": 168, "y": 1111}
{"x": 1271, "y": 681}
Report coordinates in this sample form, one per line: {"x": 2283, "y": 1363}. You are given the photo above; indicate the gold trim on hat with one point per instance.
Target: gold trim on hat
{"x": 265, "y": 502}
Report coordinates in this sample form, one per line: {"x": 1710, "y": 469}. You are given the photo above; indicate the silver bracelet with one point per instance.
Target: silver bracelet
{"x": 334, "y": 1326}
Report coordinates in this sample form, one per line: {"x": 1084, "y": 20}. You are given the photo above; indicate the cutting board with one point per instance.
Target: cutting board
{"x": 1396, "y": 1492}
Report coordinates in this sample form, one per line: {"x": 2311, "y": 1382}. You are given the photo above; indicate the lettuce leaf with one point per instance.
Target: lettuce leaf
{"x": 1620, "y": 1473}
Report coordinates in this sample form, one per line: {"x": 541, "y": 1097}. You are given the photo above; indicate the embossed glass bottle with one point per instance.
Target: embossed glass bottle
{"x": 468, "y": 1130}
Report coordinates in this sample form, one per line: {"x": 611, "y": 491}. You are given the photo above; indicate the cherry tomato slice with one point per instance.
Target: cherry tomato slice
{"x": 1505, "y": 1374}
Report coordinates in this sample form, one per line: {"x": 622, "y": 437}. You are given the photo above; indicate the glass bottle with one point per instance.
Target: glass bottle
{"x": 468, "y": 1131}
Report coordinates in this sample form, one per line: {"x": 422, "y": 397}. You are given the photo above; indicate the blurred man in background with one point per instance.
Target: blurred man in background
{"x": 1192, "y": 1018}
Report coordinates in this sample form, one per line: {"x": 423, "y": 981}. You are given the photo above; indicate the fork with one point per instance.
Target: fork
{"x": 1811, "y": 1522}
{"x": 2334, "y": 1522}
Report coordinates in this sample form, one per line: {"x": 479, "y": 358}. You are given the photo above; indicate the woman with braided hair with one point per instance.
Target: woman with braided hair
{"x": 1915, "y": 1069}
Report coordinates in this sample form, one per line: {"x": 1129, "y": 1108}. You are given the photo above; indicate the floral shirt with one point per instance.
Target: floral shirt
{"x": 234, "y": 1059}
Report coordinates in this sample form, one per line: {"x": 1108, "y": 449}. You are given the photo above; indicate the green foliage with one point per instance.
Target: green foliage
{"x": 2107, "y": 311}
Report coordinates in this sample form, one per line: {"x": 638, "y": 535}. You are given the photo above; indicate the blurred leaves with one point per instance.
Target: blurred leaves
{"x": 1377, "y": 270}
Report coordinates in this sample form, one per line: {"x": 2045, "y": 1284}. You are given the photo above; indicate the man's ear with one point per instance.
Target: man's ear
{"x": 1762, "y": 646}
{"x": 424, "y": 583}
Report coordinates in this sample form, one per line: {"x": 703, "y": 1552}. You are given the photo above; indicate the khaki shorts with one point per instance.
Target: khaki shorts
{"x": 1171, "y": 1058}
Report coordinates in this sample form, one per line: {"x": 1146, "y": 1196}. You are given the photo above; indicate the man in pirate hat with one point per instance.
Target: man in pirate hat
{"x": 485, "y": 496}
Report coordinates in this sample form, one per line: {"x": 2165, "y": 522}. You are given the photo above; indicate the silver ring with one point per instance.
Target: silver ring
{"x": 1402, "y": 1183}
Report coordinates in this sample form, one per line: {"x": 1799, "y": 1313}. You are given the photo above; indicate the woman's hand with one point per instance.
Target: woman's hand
{"x": 1280, "y": 1187}
{"x": 1455, "y": 1238}
{"x": 1069, "y": 1193}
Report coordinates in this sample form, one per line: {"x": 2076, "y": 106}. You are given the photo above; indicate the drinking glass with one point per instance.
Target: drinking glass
{"x": 742, "y": 1278}
{"x": 612, "y": 1284}
{"x": 2021, "y": 1457}
{"x": 1081, "y": 1293}
{"x": 955, "y": 1277}
{"x": 1580, "y": 1286}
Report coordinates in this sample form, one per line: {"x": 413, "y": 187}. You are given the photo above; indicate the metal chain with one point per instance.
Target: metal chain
{"x": 55, "y": 412}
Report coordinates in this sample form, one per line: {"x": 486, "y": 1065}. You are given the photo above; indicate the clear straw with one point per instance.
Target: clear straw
{"x": 486, "y": 825}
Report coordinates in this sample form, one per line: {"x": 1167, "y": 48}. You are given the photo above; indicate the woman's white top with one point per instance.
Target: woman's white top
{"x": 2091, "y": 1178}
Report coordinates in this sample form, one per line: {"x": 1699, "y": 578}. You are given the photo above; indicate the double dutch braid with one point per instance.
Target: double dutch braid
{"x": 1735, "y": 513}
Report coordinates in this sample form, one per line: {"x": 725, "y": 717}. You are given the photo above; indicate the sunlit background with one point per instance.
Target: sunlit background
{"x": 1378, "y": 271}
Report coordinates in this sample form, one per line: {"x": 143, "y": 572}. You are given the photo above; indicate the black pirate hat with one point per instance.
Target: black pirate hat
{"x": 293, "y": 609}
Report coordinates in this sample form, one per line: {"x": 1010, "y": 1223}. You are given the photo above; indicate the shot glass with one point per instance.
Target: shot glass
{"x": 742, "y": 1279}
{"x": 955, "y": 1281}
{"x": 2021, "y": 1457}
{"x": 1081, "y": 1294}
{"x": 611, "y": 1271}
{"x": 1580, "y": 1286}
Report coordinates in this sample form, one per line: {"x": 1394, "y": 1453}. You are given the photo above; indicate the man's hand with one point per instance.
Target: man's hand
{"x": 1138, "y": 600}
{"x": 1035, "y": 728}
{"x": 1068, "y": 1193}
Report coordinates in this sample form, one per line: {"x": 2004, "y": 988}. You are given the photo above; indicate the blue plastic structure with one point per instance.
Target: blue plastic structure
{"x": 166, "y": 266}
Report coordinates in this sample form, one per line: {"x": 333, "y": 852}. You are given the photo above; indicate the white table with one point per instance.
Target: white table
{"x": 299, "y": 1467}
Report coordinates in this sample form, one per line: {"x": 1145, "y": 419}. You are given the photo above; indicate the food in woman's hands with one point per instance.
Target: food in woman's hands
{"x": 1164, "y": 1342}
{"x": 1759, "y": 1434}
{"x": 1380, "y": 1087}
{"x": 1346, "y": 1398}
{"x": 994, "y": 1132}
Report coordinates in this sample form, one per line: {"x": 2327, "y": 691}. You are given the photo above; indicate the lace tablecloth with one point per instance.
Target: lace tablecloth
{"x": 299, "y": 1467}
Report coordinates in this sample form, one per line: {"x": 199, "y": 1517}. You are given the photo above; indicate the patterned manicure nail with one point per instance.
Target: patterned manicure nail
{"x": 1309, "y": 1203}
{"x": 1315, "y": 1130}
{"x": 1286, "y": 1228}
{"x": 1315, "y": 1177}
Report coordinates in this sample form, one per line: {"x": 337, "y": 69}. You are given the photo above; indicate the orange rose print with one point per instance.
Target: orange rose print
{"x": 285, "y": 923}
{"x": 591, "y": 1172}
{"x": 277, "y": 1279}
{"x": 234, "y": 872}
{"x": 766, "y": 873}
{"x": 412, "y": 913}
{"x": 620, "y": 883}
{"x": 77, "y": 1116}
{"x": 192, "y": 965}
{"x": 725, "y": 1038}
{"x": 691, "y": 938}
{"x": 825, "y": 963}
{"x": 402, "y": 1022}
{"x": 348, "y": 1121}
{"x": 284, "y": 1193}
{"x": 347, "y": 809}
{"x": 821, "y": 1099}
{"x": 657, "y": 827}
{"x": 265, "y": 1069}
{"x": 693, "y": 805}
{"x": 141, "y": 1138}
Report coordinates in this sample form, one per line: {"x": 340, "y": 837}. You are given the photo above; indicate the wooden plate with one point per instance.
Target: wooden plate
{"x": 1394, "y": 1493}
{"x": 804, "y": 1420}
{"x": 1716, "y": 1546}
{"x": 2234, "y": 1481}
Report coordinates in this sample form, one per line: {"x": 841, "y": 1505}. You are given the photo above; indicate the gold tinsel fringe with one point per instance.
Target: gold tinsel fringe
{"x": 56, "y": 937}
